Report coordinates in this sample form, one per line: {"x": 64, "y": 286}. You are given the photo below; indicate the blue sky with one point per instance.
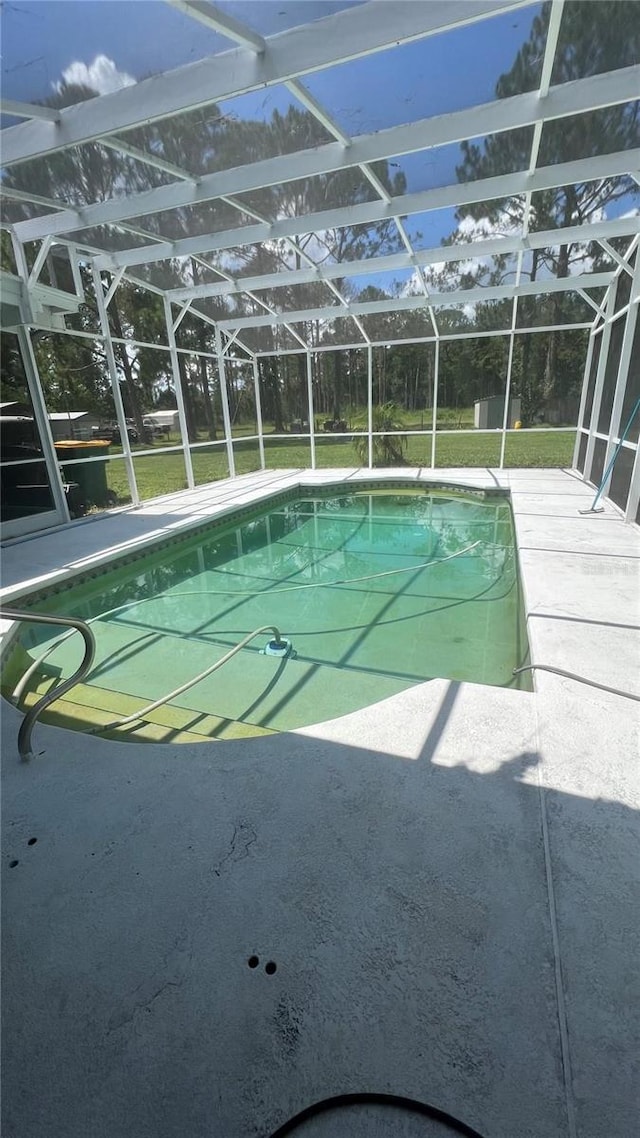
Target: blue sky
{"x": 444, "y": 73}
{"x": 42, "y": 39}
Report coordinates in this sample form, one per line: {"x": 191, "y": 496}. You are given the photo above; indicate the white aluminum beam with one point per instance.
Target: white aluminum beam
{"x": 20, "y": 257}
{"x": 368, "y": 213}
{"x": 370, "y": 405}
{"x": 297, "y": 249}
{"x": 519, "y": 110}
{"x": 114, "y": 375}
{"x": 74, "y": 260}
{"x": 311, "y": 103}
{"x": 311, "y": 411}
{"x": 268, "y": 308}
{"x": 507, "y": 390}
{"x": 38, "y": 264}
{"x": 181, "y": 315}
{"x": 396, "y": 262}
{"x": 50, "y": 457}
{"x": 473, "y": 335}
{"x": 615, "y": 256}
{"x": 553, "y": 34}
{"x": 592, "y": 303}
{"x": 573, "y": 98}
{"x": 28, "y": 111}
{"x": 599, "y": 385}
{"x": 177, "y": 383}
{"x": 224, "y": 397}
{"x": 350, "y": 34}
{"x": 256, "y": 392}
{"x": 112, "y": 287}
{"x": 434, "y": 409}
{"x": 634, "y": 490}
{"x": 75, "y": 249}
{"x": 359, "y": 325}
{"x": 148, "y": 158}
{"x": 221, "y": 22}
{"x": 51, "y": 203}
{"x": 583, "y": 399}
{"x": 373, "y": 178}
{"x": 230, "y": 342}
{"x": 413, "y": 303}
{"x": 598, "y": 323}
{"x": 27, "y": 196}
{"x": 616, "y": 426}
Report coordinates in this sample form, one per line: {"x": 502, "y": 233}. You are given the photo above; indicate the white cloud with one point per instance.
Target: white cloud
{"x": 477, "y": 229}
{"x": 102, "y": 75}
{"x": 442, "y": 276}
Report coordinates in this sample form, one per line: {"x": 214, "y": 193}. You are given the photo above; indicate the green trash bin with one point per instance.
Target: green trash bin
{"x": 90, "y": 476}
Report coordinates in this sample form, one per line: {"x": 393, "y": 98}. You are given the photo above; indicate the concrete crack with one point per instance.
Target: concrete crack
{"x": 242, "y": 839}
{"x": 120, "y": 1019}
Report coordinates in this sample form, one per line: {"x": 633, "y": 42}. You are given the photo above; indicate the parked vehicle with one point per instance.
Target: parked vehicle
{"x": 156, "y": 430}
{"x": 111, "y": 432}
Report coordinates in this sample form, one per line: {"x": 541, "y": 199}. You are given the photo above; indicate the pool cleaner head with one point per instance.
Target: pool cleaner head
{"x": 277, "y": 648}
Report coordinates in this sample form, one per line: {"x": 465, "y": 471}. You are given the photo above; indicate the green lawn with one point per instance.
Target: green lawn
{"x": 165, "y": 473}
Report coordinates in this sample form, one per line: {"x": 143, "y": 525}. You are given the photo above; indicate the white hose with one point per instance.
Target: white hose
{"x": 139, "y": 715}
{"x": 578, "y": 679}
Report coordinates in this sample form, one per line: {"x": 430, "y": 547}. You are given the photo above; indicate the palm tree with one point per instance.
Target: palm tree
{"x": 388, "y": 450}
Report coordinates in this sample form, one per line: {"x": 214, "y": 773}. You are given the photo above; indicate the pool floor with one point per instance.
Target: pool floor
{"x": 375, "y": 591}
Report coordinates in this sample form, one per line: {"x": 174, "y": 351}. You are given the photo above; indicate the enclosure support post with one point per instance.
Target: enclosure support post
{"x": 507, "y": 390}
{"x": 20, "y": 257}
{"x": 177, "y": 383}
{"x": 509, "y": 368}
{"x": 597, "y": 394}
{"x": 436, "y": 374}
{"x": 634, "y": 490}
{"x": 42, "y": 421}
{"x": 115, "y": 386}
{"x": 311, "y": 413}
{"x": 583, "y": 397}
{"x": 224, "y": 396}
{"x": 370, "y": 404}
{"x": 256, "y": 392}
{"x": 615, "y": 426}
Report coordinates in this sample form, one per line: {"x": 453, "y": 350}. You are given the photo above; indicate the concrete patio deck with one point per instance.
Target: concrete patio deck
{"x": 447, "y": 881}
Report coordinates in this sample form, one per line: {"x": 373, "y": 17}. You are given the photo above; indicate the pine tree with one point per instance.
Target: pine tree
{"x": 595, "y": 36}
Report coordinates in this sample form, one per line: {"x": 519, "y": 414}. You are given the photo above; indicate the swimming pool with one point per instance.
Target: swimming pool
{"x": 376, "y": 588}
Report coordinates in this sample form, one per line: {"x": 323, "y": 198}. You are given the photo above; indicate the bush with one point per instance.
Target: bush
{"x": 388, "y": 450}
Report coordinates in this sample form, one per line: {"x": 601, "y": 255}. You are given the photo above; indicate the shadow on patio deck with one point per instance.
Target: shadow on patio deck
{"x": 404, "y": 902}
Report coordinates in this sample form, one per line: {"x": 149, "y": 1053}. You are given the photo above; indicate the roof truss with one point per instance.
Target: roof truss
{"x": 501, "y": 115}
{"x": 350, "y": 34}
{"x": 256, "y": 62}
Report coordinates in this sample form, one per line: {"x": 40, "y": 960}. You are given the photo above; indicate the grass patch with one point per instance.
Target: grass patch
{"x": 548, "y": 448}
{"x": 165, "y": 473}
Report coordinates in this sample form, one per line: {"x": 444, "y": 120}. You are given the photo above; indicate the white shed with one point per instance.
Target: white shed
{"x": 72, "y": 425}
{"x": 163, "y": 420}
{"x": 488, "y": 413}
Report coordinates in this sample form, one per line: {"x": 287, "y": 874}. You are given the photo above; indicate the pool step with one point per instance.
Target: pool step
{"x": 251, "y": 695}
{"x": 86, "y": 707}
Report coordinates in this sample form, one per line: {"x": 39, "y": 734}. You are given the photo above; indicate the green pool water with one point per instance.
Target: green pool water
{"x": 376, "y": 591}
